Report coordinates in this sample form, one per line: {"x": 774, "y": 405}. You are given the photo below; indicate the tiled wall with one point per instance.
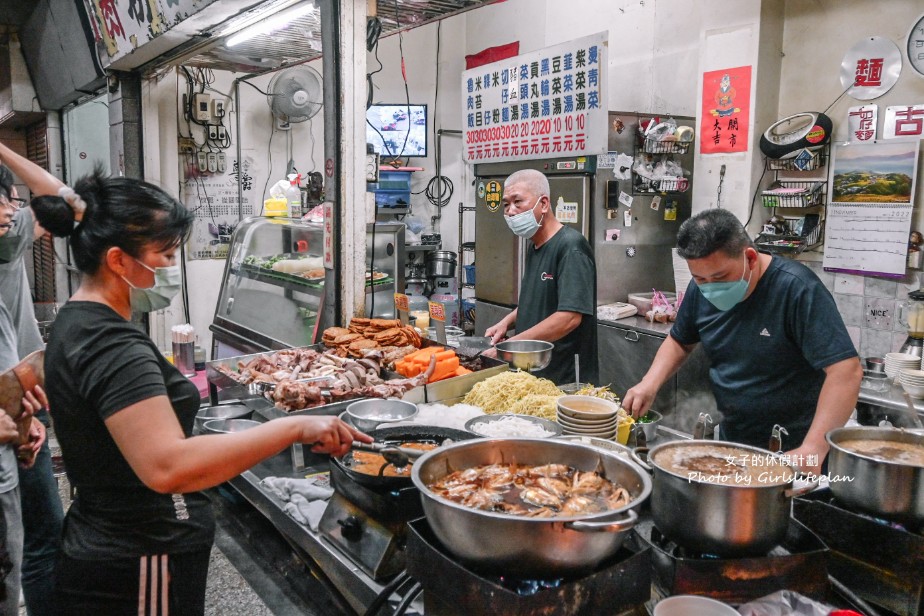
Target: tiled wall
{"x": 869, "y": 307}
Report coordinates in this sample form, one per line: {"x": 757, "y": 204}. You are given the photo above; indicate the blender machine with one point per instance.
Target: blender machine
{"x": 911, "y": 315}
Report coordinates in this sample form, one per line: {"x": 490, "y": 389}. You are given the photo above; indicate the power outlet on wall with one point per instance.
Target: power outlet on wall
{"x": 221, "y": 132}
{"x": 213, "y": 131}
{"x": 218, "y": 108}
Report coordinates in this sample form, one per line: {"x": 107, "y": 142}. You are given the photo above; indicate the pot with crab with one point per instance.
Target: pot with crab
{"x": 530, "y": 507}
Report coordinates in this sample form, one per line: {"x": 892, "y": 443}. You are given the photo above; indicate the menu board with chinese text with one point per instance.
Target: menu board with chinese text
{"x": 544, "y": 104}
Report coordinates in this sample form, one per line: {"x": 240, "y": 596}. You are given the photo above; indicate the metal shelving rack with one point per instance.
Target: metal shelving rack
{"x": 465, "y": 248}
{"x": 803, "y": 213}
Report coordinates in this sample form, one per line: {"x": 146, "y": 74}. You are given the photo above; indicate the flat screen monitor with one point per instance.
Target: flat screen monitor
{"x": 397, "y": 130}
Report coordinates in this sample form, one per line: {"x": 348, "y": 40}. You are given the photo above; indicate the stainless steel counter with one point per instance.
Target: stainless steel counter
{"x": 874, "y": 406}
{"x": 640, "y": 324}
{"x": 355, "y": 586}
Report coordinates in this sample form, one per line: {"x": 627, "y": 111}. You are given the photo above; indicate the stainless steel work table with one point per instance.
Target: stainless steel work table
{"x": 354, "y": 585}
{"x": 873, "y": 406}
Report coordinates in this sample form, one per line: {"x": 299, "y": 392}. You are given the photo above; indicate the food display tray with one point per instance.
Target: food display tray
{"x": 440, "y": 391}
{"x": 271, "y": 276}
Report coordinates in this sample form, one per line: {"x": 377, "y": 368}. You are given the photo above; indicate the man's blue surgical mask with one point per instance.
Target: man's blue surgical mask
{"x": 727, "y": 295}
{"x": 525, "y": 224}
{"x": 167, "y": 283}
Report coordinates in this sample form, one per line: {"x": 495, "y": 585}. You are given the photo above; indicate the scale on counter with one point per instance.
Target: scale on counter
{"x": 615, "y": 311}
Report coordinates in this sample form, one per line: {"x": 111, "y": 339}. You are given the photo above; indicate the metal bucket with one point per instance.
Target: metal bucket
{"x": 441, "y": 264}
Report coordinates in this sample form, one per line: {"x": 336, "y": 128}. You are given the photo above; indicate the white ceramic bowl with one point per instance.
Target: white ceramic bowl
{"x": 908, "y": 375}
{"x": 586, "y": 423}
{"x": 587, "y": 407}
{"x": 589, "y": 429}
{"x": 602, "y": 433}
{"x": 692, "y": 605}
{"x": 915, "y": 391}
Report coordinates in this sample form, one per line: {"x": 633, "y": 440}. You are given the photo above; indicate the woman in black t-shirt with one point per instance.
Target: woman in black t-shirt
{"x": 138, "y": 534}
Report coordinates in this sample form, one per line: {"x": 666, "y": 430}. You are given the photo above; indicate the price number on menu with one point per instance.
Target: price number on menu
{"x": 401, "y": 302}
{"x": 437, "y": 312}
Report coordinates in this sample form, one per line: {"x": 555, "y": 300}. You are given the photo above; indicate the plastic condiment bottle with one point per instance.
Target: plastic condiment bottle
{"x": 294, "y": 196}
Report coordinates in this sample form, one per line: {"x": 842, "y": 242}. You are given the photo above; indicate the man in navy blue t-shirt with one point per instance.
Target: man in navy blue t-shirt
{"x": 779, "y": 351}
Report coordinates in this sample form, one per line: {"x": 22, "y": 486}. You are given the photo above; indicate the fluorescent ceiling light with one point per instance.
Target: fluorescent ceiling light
{"x": 271, "y": 24}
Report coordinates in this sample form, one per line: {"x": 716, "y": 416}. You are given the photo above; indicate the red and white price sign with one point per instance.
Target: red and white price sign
{"x": 438, "y": 316}
{"x": 402, "y": 305}
{"x": 437, "y": 311}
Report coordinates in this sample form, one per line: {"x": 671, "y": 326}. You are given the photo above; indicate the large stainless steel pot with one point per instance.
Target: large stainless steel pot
{"x": 888, "y": 489}
{"x": 441, "y": 264}
{"x": 716, "y": 518}
{"x": 529, "y": 547}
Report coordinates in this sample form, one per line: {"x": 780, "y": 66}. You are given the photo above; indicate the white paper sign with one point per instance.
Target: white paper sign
{"x": 861, "y": 123}
{"x": 566, "y": 211}
{"x": 625, "y": 198}
{"x": 607, "y": 161}
{"x": 544, "y": 104}
{"x": 213, "y": 200}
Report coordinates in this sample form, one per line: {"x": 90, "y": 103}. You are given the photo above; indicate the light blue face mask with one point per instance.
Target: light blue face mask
{"x": 727, "y": 295}
{"x": 524, "y": 224}
{"x": 167, "y": 283}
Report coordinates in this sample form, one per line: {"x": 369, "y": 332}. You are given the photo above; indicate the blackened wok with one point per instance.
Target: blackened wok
{"x": 395, "y": 435}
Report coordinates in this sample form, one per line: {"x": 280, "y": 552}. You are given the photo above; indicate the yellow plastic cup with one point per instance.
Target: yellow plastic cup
{"x": 623, "y": 430}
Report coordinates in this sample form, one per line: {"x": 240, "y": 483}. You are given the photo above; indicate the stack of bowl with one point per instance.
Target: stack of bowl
{"x": 588, "y": 416}
{"x": 895, "y": 362}
{"x": 912, "y": 381}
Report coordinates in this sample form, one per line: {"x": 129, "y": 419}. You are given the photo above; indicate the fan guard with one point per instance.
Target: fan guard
{"x": 295, "y": 94}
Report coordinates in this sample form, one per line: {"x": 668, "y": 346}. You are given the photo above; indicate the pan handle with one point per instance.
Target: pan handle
{"x": 797, "y": 492}
{"x": 606, "y": 525}
{"x": 636, "y": 455}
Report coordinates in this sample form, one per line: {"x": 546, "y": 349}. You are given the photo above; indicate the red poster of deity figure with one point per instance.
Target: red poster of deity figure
{"x": 726, "y": 111}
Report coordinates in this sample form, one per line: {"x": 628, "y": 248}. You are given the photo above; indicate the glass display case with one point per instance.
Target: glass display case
{"x": 273, "y": 284}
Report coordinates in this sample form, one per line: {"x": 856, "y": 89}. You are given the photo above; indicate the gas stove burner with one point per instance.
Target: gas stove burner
{"x": 885, "y": 566}
{"x": 450, "y": 588}
{"x": 678, "y": 551}
{"x": 798, "y": 564}
{"x": 828, "y": 498}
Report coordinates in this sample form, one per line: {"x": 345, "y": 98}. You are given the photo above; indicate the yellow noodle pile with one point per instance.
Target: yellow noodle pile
{"x": 515, "y": 392}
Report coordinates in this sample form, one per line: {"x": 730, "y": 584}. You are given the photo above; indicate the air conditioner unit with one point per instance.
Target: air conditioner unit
{"x": 18, "y": 104}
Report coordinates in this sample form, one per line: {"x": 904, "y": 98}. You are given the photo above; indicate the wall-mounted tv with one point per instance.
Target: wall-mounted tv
{"x": 397, "y": 130}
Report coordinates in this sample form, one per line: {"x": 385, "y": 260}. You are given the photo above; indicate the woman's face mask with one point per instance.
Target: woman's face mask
{"x": 525, "y": 224}
{"x": 726, "y": 295}
{"x": 167, "y": 282}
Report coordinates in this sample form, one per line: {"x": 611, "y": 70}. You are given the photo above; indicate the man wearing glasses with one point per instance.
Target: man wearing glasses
{"x": 42, "y": 513}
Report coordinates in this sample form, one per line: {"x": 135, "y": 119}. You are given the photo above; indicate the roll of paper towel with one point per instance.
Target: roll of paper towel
{"x": 682, "y": 275}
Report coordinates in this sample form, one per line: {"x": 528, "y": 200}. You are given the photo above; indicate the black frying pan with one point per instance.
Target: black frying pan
{"x": 395, "y": 435}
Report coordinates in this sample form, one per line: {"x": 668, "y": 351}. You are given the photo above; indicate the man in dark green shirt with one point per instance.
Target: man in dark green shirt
{"x": 558, "y": 290}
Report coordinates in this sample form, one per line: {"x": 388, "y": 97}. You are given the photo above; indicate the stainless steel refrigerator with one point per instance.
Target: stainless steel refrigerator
{"x": 637, "y": 261}
{"x": 499, "y": 254}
